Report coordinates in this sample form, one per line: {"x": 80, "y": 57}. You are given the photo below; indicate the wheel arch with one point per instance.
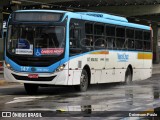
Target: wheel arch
{"x": 131, "y": 68}
{"x": 87, "y": 68}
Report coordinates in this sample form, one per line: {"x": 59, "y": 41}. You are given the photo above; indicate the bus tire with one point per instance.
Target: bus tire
{"x": 31, "y": 89}
{"x": 128, "y": 76}
{"x": 84, "y": 82}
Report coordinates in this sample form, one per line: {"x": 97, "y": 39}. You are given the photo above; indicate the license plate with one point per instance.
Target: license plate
{"x": 33, "y": 76}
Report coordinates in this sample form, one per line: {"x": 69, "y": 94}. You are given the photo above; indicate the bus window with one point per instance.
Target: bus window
{"x": 147, "y": 41}
{"x": 110, "y": 31}
{"x": 74, "y": 37}
{"x": 74, "y": 43}
{"x": 89, "y": 35}
{"x": 110, "y": 36}
{"x": 99, "y": 41}
{"x": 130, "y": 44}
{"x": 89, "y": 28}
{"x": 110, "y": 42}
{"x": 130, "y": 38}
{"x": 120, "y": 38}
{"x": 138, "y": 44}
{"x": 138, "y": 35}
{"x": 99, "y": 29}
{"x": 147, "y": 36}
{"x": 120, "y": 32}
{"x": 89, "y": 40}
{"x": 130, "y": 33}
{"x": 146, "y": 45}
{"x": 138, "y": 39}
{"x": 120, "y": 42}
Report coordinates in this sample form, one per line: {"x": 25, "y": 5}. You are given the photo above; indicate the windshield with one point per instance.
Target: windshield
{"x": 36, "y": 40}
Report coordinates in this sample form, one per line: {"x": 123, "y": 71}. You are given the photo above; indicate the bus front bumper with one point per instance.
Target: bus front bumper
{"x": 56, "y": 78}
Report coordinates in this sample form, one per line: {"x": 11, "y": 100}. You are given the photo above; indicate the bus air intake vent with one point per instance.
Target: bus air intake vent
{"x": 33, "y": 79}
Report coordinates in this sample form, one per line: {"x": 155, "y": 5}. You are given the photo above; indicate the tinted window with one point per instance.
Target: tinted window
{"x": 147, "y": 35}
{"x": 98, "y": 29}
{"x": 130, "y": 33}
{"x": 89, "y": 28}
{"x": 130, "y": 44}
{"x": 147, "y": 45}
{"x": 138, "y": 44}
{"x": 120, "y": 32}
{"x": 120, "y": 42}
{"x": 111, "y": 42}
{"x": 110, "y": 30}
{"x": 138, "y": 34}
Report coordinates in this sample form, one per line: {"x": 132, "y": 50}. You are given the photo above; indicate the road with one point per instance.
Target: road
{"x": 1, "y": 76}
{"x": 139, "y": 96}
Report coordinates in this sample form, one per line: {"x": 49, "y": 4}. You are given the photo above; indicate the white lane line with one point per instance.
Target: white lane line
{"x": 135, "y": 109}
{"x": 25, "y": 99}
{"x": 41, "y": 109}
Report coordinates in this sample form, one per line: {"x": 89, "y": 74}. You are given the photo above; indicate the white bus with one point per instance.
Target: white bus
{"x": 50, "y": 47}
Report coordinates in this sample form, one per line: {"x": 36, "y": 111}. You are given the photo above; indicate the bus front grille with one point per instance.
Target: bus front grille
{"x": 33, "y": 79}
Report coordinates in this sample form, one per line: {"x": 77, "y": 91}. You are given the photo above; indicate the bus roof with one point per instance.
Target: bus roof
{"x": 105, "y": 16}
{"x": 96, "y": 17}
{"x": 41, "y": 10}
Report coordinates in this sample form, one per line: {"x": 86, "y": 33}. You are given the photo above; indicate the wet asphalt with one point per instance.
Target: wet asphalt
{"x": 105, "y": 101}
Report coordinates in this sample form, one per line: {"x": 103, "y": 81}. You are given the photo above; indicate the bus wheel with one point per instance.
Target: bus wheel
{"x": 128, "y": 76}
{"x": 31, "y": 89}
{"x": 84, "y": 81}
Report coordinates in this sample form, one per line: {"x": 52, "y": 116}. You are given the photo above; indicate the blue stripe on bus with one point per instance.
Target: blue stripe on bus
{"x": 53, "y": 67}
{"x": 49, "y": 69}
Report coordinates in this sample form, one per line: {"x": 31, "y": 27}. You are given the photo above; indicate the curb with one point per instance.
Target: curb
{"x": 4, "y": 83}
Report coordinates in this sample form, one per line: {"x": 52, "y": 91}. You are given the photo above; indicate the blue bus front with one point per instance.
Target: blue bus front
{"x": 36, "y": 50}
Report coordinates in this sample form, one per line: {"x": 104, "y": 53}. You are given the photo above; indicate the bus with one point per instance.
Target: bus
{"x": 52, "y": 47}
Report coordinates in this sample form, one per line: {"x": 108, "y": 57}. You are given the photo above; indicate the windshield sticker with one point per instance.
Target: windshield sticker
{"x": 24, "y": 51}
{"x": 48, "y": 51}
{"x": 52, "y": 51}
{"x": 23, "y": 44}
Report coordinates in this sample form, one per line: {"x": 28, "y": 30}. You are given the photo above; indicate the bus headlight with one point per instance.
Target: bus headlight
{"x": 60, "y": 68}
{"x": 8, "y": 65}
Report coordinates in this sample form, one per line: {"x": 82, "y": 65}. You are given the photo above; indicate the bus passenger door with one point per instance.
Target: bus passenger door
{"x": 97, "y": 60}
{"x": 75, "y": 65}
{"x": 97, "y": 64}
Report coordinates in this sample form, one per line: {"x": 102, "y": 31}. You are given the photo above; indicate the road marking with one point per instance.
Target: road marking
{"x": 41, "y": 109}
{"x": 25, "y": 99}
{"x": 135, "y": 109}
